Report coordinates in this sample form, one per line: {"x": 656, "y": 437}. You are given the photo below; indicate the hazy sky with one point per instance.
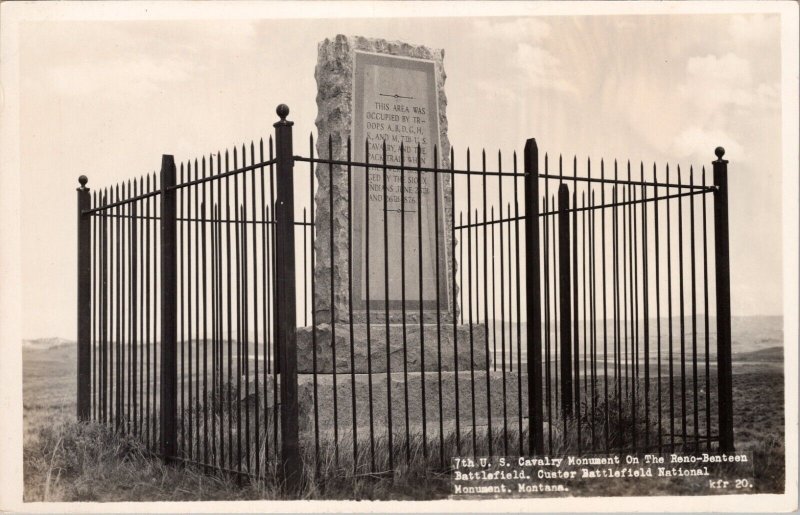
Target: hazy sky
{"x": 106, "y": 99}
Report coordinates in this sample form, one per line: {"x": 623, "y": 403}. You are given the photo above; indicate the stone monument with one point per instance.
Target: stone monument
{"x": 380, "y": 95}
{"x": 374, "y": 91}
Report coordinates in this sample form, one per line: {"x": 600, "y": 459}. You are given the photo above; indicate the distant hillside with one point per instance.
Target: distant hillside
{"x": 45, "y": 343}
{"x": 769, "y": 354}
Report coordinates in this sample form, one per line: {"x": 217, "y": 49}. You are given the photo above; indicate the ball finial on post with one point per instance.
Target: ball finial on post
{"x": 719, "y": 152}
{"x": 283, "y": 111}
{"x": 82, "y": 180}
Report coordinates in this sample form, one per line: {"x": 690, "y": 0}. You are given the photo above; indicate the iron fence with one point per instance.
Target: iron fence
{"x": 413, "y": 315}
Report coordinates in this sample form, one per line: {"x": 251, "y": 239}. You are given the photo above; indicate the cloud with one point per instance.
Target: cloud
{"x": 715, "y": 83}
{"x": 541, "y": 68}
{"x": 512, "y": 29}
{"x": 768, "y": 95}
{"x": 142, "y": 77}
{"x": 527, "y": 42}
{"x": 138, "y": 58}
{"x": 698, "y": 144}
{"x": 754, "y": 29}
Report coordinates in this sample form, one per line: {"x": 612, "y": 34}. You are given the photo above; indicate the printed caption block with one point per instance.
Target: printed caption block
{"x": 602, "y": 475}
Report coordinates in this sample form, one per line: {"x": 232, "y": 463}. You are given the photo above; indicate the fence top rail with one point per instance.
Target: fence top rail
{"x": 185, "y": 184}
{"x": 502, "y": 220}
{"x": 198, "y": 220}
{"x": 592, "y": 207}
{"x": 626, "y": 182}
{"x": 409, "y": 167}
{"x": 122, "y": 202}
{"x": 223, "y": 175}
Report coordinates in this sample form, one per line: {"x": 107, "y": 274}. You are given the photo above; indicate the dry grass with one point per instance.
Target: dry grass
{"x": 68, "y": 461}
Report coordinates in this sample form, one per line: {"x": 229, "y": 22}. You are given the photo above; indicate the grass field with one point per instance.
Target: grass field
{"x": 67, "y": 461}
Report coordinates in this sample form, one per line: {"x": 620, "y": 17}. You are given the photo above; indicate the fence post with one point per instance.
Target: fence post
{"x": 285, "y": 300}
{"x": 533, "y": 299}
{"x": 565, "y": 292}
{"x": 723, "y": 287}
{"x": 169, "y": 308}
{"x": 84, "y": 300}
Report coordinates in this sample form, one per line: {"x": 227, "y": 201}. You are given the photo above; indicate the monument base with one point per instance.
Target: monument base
{"x": 407, "y": 347}
{"x": 471, "y": 398}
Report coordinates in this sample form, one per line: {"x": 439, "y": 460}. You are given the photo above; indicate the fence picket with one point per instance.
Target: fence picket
{"x": 566, "y": 283}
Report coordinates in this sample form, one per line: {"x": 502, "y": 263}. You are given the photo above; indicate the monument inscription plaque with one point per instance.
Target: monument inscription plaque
{"x": 372, "y": 91}
{"x": 395, "y": 105}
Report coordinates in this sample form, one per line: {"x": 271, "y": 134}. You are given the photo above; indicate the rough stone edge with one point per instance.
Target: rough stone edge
{"x": 334, "y": 77}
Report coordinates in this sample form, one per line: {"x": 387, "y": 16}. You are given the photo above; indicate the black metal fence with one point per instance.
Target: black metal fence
{"x": 627, "y": 308}
{"x": 588, "y": 331}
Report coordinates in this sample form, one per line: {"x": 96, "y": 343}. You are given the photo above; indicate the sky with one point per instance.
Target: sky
{"x": 108, "y": 98}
